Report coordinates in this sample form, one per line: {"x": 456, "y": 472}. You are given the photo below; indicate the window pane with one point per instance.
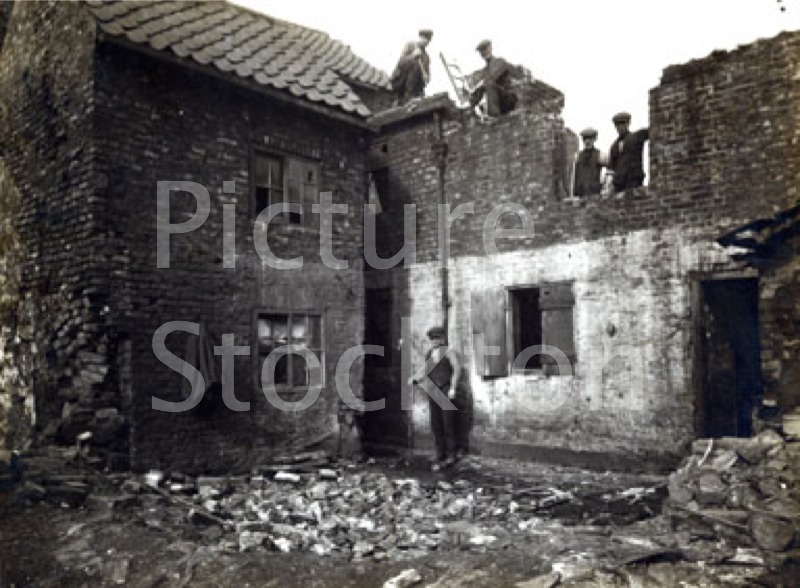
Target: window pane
{"x": 282, "y": 371}
{"x": 275, "y": 196}
{"x": 299, "y": 370}
{"x": 300, "y": 329}
{"x": 262, "y": 198}
{"x": 281, "y": 374}
{"x": 264, "y": 330}
{"x": 315, "y": 332}
{"x": 267, "y": 170}
{"x": 273, "y": 331}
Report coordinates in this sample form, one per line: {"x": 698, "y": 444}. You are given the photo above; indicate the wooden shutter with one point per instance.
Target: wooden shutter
{"x": 489, "y": 319}
{"x": 557, "y": 303}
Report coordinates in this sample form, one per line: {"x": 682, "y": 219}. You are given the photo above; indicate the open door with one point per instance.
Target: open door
{"x": 729, "y": 357}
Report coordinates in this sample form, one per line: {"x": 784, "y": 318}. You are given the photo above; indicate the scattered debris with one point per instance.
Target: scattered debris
{"x": 735, "y": 510}
{"x": 544, "y": 581}
{"x": 288, "y": 477}
{"x": 743, "y": 490}
{"x": 406, "y": 578}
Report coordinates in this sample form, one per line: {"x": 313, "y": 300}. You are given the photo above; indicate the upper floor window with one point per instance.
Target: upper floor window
{"x": 285, "y": 179}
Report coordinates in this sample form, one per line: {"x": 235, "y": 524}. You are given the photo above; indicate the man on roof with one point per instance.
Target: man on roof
{"x": 495, "y": 83}
{"x": 413, "y": 70}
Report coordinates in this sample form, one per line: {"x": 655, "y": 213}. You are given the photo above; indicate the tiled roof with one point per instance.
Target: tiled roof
{"x": 307, "y": 63}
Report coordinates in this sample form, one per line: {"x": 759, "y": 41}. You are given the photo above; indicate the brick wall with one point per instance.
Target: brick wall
{"x": 725, "y": 132}
{"x": 157, "y": 121}
{"x": 46, "y": 90}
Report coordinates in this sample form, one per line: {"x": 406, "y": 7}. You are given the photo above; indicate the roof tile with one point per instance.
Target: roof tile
{"x": 305, "y": 62}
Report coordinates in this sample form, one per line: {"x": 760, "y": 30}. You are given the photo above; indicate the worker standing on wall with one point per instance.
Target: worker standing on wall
{"x": 626, "y": 154}
{"x": 589, "y": 164}
{"x": 413, "y": 70}
{"x": 495, "y": 83}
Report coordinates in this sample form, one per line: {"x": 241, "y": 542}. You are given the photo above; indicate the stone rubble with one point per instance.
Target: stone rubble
{"x": 744, "y": 491}
{"x": 363, "y": 514}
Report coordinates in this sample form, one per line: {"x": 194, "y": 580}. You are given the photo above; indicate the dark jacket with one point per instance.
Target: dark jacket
{"x": 625, "y": 159}
{"x": 587, "y": 172}
{"x": 411, "y": 74}
{"x": 496, "y": 77}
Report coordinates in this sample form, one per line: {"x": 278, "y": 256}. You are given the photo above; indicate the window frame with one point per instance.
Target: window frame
{"x": 285, "y": 159}
{"x": 257, "y": 355}
{"x": 511, "y": 348}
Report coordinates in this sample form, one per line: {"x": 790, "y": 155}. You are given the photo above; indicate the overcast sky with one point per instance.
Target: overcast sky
{"x": 604, "y": 55}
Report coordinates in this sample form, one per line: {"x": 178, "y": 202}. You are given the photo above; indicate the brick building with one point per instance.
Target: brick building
{"x": 669, "y": 335}
{"x": 102, "y": 101}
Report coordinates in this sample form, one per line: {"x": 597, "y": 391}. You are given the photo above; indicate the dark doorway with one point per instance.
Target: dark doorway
{"x": 379, "y": 326}
{"x": 729, "y": 357}
{"x": 387, "y": 428}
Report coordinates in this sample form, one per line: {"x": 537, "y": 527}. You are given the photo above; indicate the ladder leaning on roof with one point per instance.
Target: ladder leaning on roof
{"x": 463, "y": 84}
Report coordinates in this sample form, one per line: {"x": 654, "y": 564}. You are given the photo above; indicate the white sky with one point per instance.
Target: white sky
{"x": 605, "y": 55}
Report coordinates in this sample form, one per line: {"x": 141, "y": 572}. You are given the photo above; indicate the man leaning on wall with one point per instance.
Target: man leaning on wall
{"x": 589, "y": 164}
{"x": 625, "y": 159}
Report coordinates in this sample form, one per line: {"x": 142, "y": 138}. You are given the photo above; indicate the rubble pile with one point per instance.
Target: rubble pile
{"x": 349, "y": 512}
{"x": 741, "y": 491}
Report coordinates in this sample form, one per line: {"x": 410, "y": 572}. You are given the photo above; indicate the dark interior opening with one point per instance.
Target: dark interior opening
{"x": 527, "y": 324}
{"x": 730, "y": 357}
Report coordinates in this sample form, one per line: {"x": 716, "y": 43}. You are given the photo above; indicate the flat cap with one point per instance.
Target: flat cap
{"x": 427, "y": 33}
{"x": 483, "y": 45}
{"x": 436, "y": 332}
{"x": 621, "y": 117}
{"x": 589, "y": 132}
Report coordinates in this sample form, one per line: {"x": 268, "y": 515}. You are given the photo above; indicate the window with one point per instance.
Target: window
{"x": 516, "y": 318}
{"x": 274, "y": 330}
{"x": 278, "y": 178}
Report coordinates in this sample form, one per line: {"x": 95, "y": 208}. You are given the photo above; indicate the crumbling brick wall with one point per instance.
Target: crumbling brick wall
{"x": 780, "y": 319}
{"x": 61, "y": 345}
{"x": 16, "y": 395}
{"x": 725, "y": 133}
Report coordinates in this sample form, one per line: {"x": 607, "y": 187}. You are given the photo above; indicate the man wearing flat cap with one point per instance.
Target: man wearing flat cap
{"x": 625, "y": 155}
{"x": 413, "y": 70}
{"x": 589, "y": 165}
{"x": 450, "y": 427}
{"x": 495, "y": 82}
